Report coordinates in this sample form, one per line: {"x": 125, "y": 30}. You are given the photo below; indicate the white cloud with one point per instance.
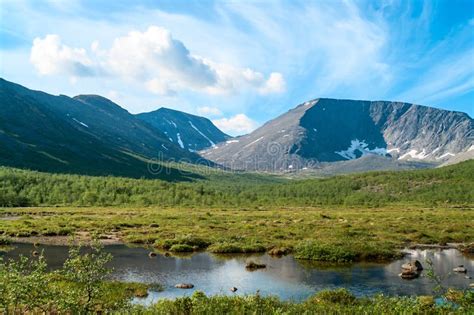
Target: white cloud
{"x": 159, "y": 87}
{"x": 49, "y": 56}
{"x": 274, "y": 84}
{"x": 236, "y": 125}
{"x": 162, "y": 63}
{"x": 156, "y": 56}
{"x": 209, "y": 111}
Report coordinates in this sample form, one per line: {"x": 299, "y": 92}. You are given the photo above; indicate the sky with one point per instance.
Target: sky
{"x": 241, "y": 63}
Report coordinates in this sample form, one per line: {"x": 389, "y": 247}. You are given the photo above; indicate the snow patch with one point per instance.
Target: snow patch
{"x": 414, "y": 155}
{"x": 362, "y": 147}
{"x": 195, "y": 128}
{"x": 171, "y": 123}
{"x": 447, "y": 154}
{"x": 180, "y": 142}
{"x": 253, "y": 142}
{"x": 80, "y": 122}
{"x": 394, "y": 150}
{"x": 232, "y": 141}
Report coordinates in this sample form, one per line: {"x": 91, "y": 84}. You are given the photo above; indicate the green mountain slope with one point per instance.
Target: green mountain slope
{"x": 85, "y": 135}
{"x": 451, "y": 185}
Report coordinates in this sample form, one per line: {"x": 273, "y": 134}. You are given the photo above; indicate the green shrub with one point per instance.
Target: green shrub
{"x": 189, "y": 240}
{"x": 5, "y": 240}
{"x": 339, "y": 296}
{"x": 229, "y": 248}
{"x": 312, "y": 250}
{"x": 180, "y": 248}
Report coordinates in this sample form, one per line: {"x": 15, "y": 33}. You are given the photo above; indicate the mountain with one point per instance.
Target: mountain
{"x": 190, "y": 132}
{"x": 320, "y": 132}
{"x": 87, "y": 134}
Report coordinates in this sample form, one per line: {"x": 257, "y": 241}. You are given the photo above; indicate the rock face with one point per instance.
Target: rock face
{"x": 331, "y": 130}
{"x": 190, "y": 132}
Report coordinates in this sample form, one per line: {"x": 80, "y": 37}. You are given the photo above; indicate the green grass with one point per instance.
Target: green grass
{"x": 331, "y": 233}
{"x": 324, "y": 302}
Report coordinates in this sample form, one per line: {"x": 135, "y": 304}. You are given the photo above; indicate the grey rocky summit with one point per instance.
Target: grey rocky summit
{"x": 321, "y": 132}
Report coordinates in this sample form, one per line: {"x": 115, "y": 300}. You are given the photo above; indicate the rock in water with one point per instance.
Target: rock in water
{"x": 408, "y": 274}
{"x": 411, "y": 270}
{"x": 253, "y": 265}
{"x": 151, "y": 254}
{"x": 414, "y": 265}
{"x": 184, "y": 286}
{"x": 460, "y": 269}
{"x": 233, "y": 289}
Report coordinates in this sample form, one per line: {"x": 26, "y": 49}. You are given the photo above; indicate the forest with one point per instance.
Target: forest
{"x": 440, "y": 186}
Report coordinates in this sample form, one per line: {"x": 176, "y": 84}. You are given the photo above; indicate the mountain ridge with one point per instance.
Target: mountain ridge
{"x": 191, "y": 132}
{"x": 331, "y": 130}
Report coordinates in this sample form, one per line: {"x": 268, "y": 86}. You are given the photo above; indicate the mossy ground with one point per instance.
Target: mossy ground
{"x": 319, "y": 233}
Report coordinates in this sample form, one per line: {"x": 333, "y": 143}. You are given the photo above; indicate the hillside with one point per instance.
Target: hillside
{"x": 451, "y": 185}
{"x": 85, "y": 135}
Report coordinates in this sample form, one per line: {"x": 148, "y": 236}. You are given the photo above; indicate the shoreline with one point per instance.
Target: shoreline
{"x": 84, "y": 238}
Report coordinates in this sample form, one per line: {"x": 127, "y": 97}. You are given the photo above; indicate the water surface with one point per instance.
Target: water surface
{"x": 285, "y": 277}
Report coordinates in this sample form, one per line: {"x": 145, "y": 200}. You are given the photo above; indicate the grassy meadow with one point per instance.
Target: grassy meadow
{"x": 359, "y": 217}
{"x": 320, "y": 233}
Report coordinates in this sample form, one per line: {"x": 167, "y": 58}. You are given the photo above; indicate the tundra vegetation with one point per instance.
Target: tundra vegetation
{"x": 81, "y": 287}
{"x": 368, "y": 216}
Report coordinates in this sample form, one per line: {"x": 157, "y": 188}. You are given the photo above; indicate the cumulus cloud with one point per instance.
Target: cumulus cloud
{"x": 274, "y": 84}
{"x": 49, "y": 56}
{"x": 162, "y": 63}
{"x": 209, "y": 111}
{"x": 236, "y": 125}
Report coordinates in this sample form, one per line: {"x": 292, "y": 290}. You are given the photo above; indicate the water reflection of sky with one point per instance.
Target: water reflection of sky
{"x": 285, "y": 277}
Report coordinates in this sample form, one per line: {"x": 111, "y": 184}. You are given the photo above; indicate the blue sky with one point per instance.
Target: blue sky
{"x": 241, "y": 63}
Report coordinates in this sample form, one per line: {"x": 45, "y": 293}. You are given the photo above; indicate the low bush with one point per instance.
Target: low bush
{"x": 236, "y": 248}
{"x": 181, "y": 248}
{"x": 189, "y": 240}
{"x": 339, "y": 296}
{"x": 313, "y": 250}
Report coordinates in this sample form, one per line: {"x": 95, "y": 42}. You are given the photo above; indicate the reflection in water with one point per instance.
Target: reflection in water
{"x": 284, "y": 277}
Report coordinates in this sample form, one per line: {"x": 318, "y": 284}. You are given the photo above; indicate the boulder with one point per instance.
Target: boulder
{"x": 35, "y": 253}
{"x": 414, "y": 266}
{"x": 151, "y": 254}
{"x": 184, "y": 286}
{"x": 233, "y": 289}
{"x": 408, "y": 274}
{"x": 460, "y": 269}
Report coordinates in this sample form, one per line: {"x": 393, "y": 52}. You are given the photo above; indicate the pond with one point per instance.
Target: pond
{"x": 285, "y": 277}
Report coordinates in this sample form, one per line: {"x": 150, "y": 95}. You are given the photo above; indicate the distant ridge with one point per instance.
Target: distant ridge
{"x": 191, "y": 132}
